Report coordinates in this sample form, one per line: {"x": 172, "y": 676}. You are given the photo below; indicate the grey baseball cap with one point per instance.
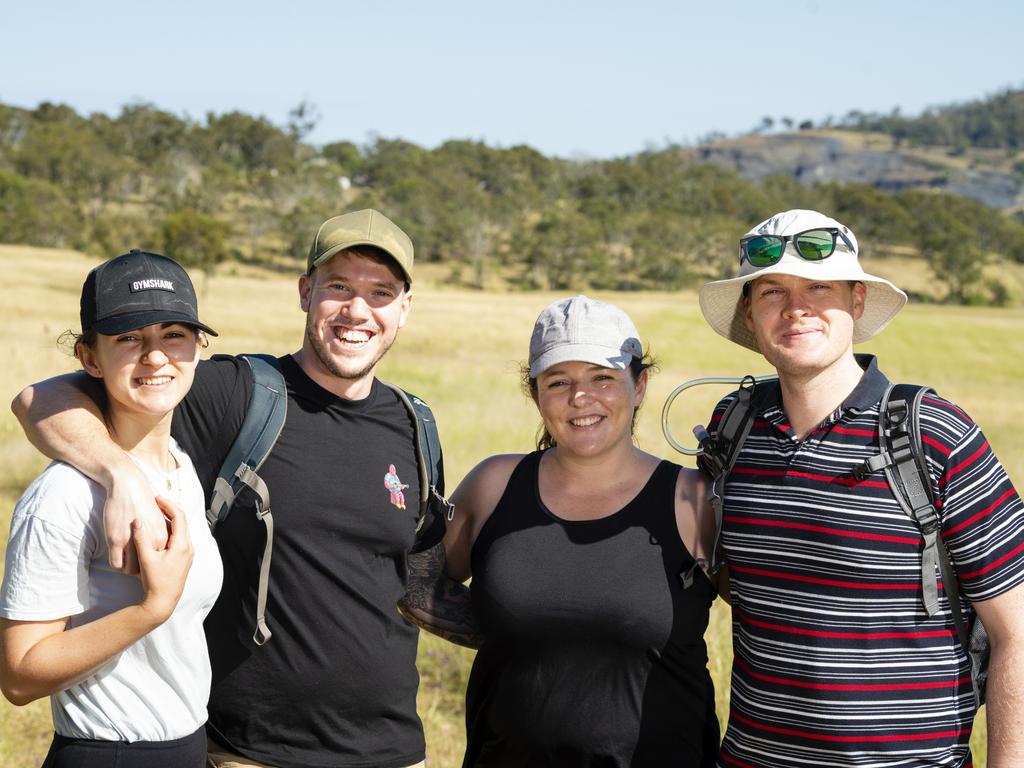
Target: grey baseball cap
{"x": 365, "y": 227}
{"x": 583, "y": 329}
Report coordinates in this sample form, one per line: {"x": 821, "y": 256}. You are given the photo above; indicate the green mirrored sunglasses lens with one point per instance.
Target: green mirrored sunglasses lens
{"x": 764, "y": 251}
{"x": 816, "y": 245}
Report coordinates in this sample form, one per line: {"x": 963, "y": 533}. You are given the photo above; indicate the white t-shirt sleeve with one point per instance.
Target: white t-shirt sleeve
{"x": 55, "y": 532}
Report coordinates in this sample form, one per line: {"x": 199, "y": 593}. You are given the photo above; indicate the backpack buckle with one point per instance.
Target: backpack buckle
{"x": 441, "y": 504}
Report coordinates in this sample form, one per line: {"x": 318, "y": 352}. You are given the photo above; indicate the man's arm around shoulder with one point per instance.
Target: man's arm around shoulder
{"x": 62, "y": 419}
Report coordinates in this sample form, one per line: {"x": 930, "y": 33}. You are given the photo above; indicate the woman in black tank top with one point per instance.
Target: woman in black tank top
{"x": 586, "y": 561}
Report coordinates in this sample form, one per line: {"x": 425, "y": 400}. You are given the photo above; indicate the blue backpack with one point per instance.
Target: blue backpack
{"x": 262, "y": 425}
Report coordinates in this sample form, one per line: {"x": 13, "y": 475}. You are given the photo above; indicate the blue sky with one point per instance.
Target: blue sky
{"x": 591, "y": 79}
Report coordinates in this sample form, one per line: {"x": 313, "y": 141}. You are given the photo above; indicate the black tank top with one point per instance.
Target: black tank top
{"x": 593, "y": 651}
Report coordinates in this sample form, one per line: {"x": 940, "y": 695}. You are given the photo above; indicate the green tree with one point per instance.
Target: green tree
{"x": 37, "y": 212}
{"x": 195, "y": 239}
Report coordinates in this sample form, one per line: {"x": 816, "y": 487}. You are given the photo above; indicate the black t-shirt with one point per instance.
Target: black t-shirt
{"x": 593, "y": 652}
{"x": 336, "y": 684}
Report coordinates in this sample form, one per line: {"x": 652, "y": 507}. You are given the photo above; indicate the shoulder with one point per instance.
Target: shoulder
{"x": 207, "y": 420}
{"x": 220, "y": 366}
{"x": 61, "y": 481}
{"x": 481, "y": 489}
{"x": 720, "y": 408}
{"x": 394, "y": 393}
{"x": 494, "y": 470}
{"x": 691, "y": 486}
{"x": 726, "y": 401}
{"x": 219, "y": 378}
{"x": 944, "y": 419}
{"x": 61, "y": 497}
{"x": 947, "y": 431}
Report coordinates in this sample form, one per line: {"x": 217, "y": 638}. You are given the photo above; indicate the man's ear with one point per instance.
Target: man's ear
{"x": 305, "y": 289}
{"x": 406, "y": 300}
{"x": 860, "y": 294}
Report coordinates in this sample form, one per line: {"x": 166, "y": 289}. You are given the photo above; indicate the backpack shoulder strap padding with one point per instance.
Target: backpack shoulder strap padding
{"x": 264, "y": 419}
{"x": 718, "y": 455}
{"x": 906, "y": 470}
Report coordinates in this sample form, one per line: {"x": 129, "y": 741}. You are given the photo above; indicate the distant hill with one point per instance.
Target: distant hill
{"x": 995, "y": 122}
{"x": 974, "y": 149}
{"x": 846, "y": 157}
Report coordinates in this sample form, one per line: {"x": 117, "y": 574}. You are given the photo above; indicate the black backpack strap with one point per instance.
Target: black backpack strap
{"x": 428, "y": 458}
{"x": 264, "y": 419}
{"x": 718, "y": 456}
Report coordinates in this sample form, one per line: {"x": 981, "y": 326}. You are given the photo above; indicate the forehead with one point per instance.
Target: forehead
{"x": 792, "y": 281}
{"x": 356, "y": 266}
{"x": 575, "y": 367}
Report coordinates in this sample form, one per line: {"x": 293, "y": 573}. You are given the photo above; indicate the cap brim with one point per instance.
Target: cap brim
{"x": 109, "y": 326}
{"x": 607, "y": 357}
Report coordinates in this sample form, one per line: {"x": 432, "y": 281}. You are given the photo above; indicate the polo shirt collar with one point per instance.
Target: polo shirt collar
{"x": 870, "y": 388}
{"x": 865, "y": 395}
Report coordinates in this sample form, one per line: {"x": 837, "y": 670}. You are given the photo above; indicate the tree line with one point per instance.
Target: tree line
{"x": 993, "y": 123}
{"x": 236, "y": 186}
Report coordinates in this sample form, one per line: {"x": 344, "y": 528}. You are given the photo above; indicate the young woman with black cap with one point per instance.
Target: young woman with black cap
{"x": 123, "y": 658}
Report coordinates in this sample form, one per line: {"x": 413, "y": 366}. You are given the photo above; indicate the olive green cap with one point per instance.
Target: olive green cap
{"x": 366, "y": 227}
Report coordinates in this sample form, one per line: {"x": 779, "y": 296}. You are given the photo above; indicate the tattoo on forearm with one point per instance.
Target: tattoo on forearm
{"x": 437, "y": 603}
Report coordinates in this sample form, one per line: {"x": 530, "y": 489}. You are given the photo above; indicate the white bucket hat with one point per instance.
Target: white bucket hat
{"x": 721, "y": 300}
{"x": 584, "y": 329}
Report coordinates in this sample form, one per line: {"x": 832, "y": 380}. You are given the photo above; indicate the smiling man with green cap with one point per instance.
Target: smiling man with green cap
{"x": 336, "y": 685}
{"x": 841, "y": 657}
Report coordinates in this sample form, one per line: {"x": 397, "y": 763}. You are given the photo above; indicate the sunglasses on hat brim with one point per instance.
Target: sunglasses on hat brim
{"x": 811, "y": 245}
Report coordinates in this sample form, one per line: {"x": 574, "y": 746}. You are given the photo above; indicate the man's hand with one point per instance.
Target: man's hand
{"x": 437, "y": 603}
{"x": 61, "y": 418}
{"x": 131, "y": 498}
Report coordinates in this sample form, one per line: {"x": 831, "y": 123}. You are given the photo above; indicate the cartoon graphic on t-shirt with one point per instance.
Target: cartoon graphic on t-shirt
{"x": 393, "y": 484}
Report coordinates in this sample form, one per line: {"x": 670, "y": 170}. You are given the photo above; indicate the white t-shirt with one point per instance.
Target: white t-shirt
{"x": 157, "y": 688}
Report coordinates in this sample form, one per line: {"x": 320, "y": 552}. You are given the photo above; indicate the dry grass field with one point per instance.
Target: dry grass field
{"x": 460, "y": 351}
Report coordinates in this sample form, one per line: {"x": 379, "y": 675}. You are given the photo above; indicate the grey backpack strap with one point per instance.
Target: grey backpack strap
{"x": 260, "y": 429}
{"x": 915, "y": 481}
{"x": 906, "y": 470}
{"x": 901, "y": 460}
{"x": 429, "y": 461}
{"x": 718, "y": 456}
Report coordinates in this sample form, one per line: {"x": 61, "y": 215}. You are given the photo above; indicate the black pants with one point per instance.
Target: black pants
{"x": 187, "y": 752}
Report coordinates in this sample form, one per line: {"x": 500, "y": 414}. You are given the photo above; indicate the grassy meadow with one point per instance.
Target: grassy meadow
{"x": 461, "y": 352}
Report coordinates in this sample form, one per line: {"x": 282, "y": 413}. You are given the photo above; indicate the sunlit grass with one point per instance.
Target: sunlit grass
{"x": 461, "y": 352}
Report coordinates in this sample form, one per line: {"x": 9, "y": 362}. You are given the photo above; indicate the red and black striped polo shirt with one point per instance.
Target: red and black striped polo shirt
{"x": 836, "y": 662}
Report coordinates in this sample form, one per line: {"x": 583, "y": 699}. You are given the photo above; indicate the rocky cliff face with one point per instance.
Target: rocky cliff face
{"x": 815, "y": 158}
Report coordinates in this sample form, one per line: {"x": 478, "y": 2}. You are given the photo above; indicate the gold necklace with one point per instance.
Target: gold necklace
{"x": 150, "y": 472}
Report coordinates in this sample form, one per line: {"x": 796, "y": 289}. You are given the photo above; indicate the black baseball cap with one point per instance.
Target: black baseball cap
{"x": 138, "y": 289}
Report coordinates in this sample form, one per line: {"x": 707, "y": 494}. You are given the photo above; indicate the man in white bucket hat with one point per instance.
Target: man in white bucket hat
{"x": 837, "y": 661}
